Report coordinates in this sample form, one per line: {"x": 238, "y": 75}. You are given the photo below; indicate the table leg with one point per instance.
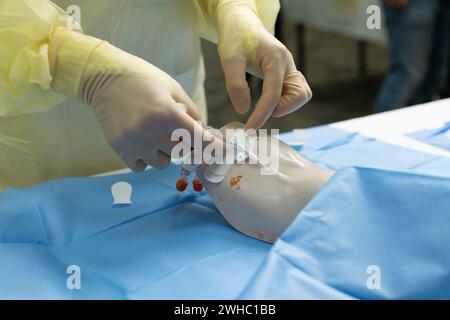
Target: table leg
{"x": 301, "y": 48}
{"x": 362, "y": 59}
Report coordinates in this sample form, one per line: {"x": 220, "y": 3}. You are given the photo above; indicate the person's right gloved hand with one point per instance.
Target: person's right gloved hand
{"x": 135, "y": 102}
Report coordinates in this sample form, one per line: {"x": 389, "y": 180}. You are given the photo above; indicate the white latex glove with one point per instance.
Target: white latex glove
{"x": 139, "y": 114}
{"x": 135, "y": 102}
{"x": 245, "y": 45}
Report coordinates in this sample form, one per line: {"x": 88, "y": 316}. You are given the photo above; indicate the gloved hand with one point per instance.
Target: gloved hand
{"x": 245, "y": 45}
{"x": 135, "y": 102}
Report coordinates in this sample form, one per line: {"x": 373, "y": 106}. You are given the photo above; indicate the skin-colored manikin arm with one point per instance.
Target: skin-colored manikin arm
{"x": 263, "y": 206}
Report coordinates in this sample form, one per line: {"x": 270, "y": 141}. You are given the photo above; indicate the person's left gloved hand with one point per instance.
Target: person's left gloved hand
{"x": 245, "y": 45}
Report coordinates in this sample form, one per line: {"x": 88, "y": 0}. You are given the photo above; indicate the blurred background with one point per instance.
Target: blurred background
{"x": 344, "y": 61}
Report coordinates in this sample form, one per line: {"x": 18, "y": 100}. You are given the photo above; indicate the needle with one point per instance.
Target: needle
{"x": 247, "y": 152}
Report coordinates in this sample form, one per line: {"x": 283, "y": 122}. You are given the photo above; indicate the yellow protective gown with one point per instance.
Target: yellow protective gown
{"x": 43, "y": 135}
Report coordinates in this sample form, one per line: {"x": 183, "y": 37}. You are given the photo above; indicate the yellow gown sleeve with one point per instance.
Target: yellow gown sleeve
{"x": 204, "y": 12}
{"x": 26, "y": 27}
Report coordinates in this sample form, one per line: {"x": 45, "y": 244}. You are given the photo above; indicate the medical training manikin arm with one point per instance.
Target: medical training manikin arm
{"x": 262, "y": 205}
